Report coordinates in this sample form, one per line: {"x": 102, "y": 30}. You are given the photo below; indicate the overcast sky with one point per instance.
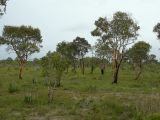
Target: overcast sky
{"x": 61, "y": 20}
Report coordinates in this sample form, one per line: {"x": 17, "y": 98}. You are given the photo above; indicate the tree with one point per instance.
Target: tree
{"x": 103, "y": 51}
{"x": 24, "y": 41}
{"x": 2, "y": 6}
{"x": 152, "y": 59}
{"x": 65, "y": 49}
{"x": 54, "y": 62}
{"x": 82, "y": 47}
{"x": 2, "y": 10}
{"x": 69, "y": 51}
{"x": 138, "y": 55}
{"x": 156, "y": 29}
{"x": 92, "y": 50}
{"x": 117, "y": 34}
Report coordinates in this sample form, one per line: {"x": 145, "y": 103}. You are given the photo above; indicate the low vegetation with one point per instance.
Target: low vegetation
{"x": 80, "y": 96}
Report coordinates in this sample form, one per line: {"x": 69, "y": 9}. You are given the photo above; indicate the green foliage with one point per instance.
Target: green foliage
{"x": 3, "y": 4}
{"x": 139, "y": 52}
{"x": 24, "y": 41}
{"x": 82, "y": 46}
{"x": 13, "y": 87}
{"x": 91, "y": 89}
{"x": 46, "y": 65}
{"x": 138, "y": 55}
{"x": 65, "y": 49}
{"x": 54, "y": 62}
{"x": 156, "y": 29}
{"x": 103, "y": 51}
{"x": 120, "y": 28}
{"x": 28, "y": 99}
{"x": 82, "y": 97}
{"x": 116, "y": 34}
{"x": 155, "y": 116}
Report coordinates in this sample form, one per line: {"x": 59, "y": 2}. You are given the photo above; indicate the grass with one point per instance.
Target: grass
{"x": 81, "y": 97}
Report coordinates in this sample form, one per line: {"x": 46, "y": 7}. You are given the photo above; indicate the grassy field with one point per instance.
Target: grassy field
{"x": 81, "y": 97}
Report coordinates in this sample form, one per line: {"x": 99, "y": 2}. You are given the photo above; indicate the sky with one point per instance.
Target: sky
{"x": 64, "y": 20}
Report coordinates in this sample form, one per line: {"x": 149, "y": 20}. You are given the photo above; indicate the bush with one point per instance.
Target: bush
{"x": 28, "y": 99}
{"x": 13, "y": 88}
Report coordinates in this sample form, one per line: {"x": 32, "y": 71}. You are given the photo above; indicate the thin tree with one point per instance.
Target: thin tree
{"x": 65, "y": 49}
{"x": 117, "y": 33}
{"x": 138, "y": 55}
{"x": 69, "y": 51}
{"x": 54, "y": 62}
{"x": 82, "y": 47}
{"x": 24, "y": 41}
{"x": 103, "y": 51}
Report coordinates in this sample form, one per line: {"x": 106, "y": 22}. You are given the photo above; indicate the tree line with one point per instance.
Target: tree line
{"x": 114, "y": 35}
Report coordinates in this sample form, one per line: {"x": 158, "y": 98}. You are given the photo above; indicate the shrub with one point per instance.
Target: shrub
{"x": 29, "y": 99}
{"x": 13, "y": 88}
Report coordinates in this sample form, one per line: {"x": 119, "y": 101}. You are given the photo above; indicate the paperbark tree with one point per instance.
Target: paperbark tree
{"x": 24, "y": 41}
{"x": 117, "y": 34}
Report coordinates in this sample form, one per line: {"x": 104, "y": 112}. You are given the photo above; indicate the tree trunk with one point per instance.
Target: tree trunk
{"x": 67, "y": 70}
{"x": 92, "y": 66}
{"x": 116, "y": 66}
{"x": 58, "y": 79}
{"x": 74, "y": 66}
{"x": 115, "y": 71}
{"x": 138, "y": 75}
{"x": 92, "y": 69}
{"x": 21, "y": 71}
{"x": 115, "y": 75}
{"x": 82, "y": 66}
{"x": 139, "y": 71}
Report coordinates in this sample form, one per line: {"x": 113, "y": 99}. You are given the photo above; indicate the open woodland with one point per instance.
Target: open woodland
{"x": 117, "y": 78}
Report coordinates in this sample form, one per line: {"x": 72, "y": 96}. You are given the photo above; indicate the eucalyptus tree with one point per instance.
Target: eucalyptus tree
{"x": 103, "y": 52}
{"x": 3, "y": 4}
{"x": 92, "y": 50}
{"x": 152, "y": 59}
{"x": 82, "y": 46}
{"x": 69, "y": 51}
{"x": 138, "y": 55}
{"x": 156, "y": 29}
{"x": 117, "y": 33}
{"x": 24, "y": 41}
{"x": 66, "y": 50}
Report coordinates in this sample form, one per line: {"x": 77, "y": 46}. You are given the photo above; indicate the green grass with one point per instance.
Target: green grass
{"x": 81, "y": 97}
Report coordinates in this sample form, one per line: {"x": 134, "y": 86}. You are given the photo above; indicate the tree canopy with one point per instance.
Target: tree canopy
{"x": 138, "y": 55}
{"x": 82, "y": 46}
{"x": 3, "y": 4}
{"x": 23, "y": 40}
{"x": 117, "y": 34}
